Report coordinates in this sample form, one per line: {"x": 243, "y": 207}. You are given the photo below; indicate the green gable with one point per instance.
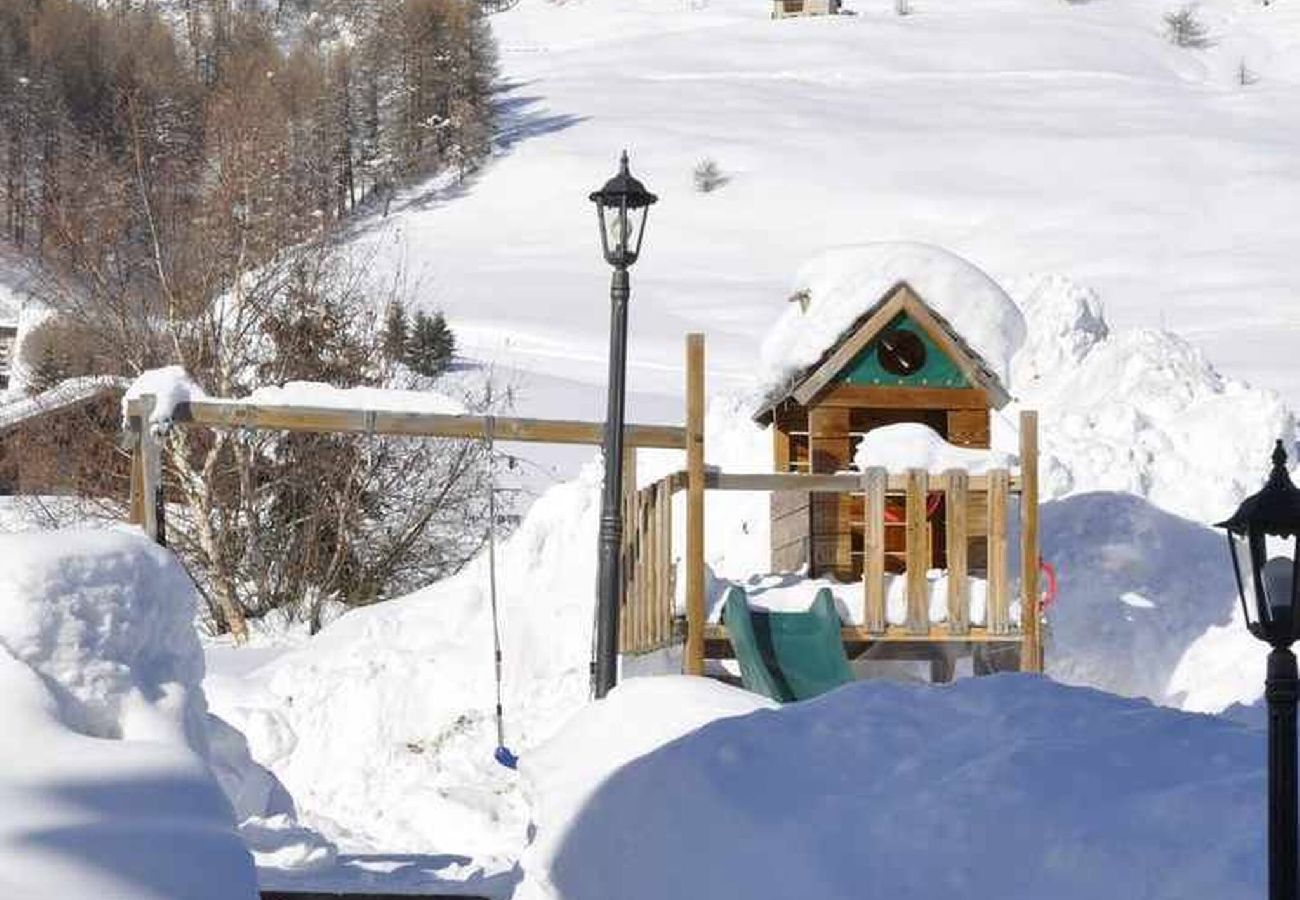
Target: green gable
{"x": 938, "y": 371}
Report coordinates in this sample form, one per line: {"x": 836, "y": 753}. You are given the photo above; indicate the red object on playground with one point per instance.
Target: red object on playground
{"x": 932, "y": 504}
{"x": 1053, "y": 587}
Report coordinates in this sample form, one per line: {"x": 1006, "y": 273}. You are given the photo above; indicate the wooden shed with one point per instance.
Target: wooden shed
{"x": 900, "y": 361}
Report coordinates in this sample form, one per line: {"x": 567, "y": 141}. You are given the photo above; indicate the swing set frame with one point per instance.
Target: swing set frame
{"x": 649, "y": 618}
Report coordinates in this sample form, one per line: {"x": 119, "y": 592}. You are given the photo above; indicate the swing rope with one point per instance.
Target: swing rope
{"x": 503, "y": 755}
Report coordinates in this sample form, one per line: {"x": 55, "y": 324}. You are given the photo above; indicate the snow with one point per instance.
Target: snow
{"x": 106, "y": 790}
{"x": 66, "y": 393}
{"x": 325, "y": 396}
{"x": 898, "y": 448}
{"x": 795, "y": 592}
{"x": 170, "y": 386}
{"x": 1144, "y": 412}
{"x": 843, "y": 283}
{"x": 1007, "y": 783}
{"x": 342, "y": 727}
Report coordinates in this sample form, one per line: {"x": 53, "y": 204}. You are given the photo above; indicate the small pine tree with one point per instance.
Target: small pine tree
{"x": 396, "y": 332}
{"x": 1185, "y": 30}
{"x": 431, "y": 345}
{"x": 708, "y": 177}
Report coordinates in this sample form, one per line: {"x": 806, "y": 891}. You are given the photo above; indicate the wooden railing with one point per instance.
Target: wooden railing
{"x": 977, "y": 509}
{"x": 649, "y": 573}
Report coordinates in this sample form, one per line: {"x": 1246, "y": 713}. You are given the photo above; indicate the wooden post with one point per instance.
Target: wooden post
{"x": 958, "y": 498}
{"x": 135, "y": 512}
{"x": 667, "y": 572}
{"x": 999, "y": 614}
{"x": 873, "y": 549}
{"x": 694, "y": 656}
{"x": 918, "y": 553}
{"x": 1031, "y": 653}
{"x": 150, "y": 469}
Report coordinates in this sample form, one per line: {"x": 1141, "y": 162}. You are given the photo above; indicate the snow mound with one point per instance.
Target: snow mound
{"x": 844, "y": 283}
{"x": 914, "y": 446}
{"x": 1143, "y": 412}
{"x": 107, "y": 790}
{"x": 1138, "y": 587}
{"x": 106, "y": 618}
{"x": 945, "y": 788}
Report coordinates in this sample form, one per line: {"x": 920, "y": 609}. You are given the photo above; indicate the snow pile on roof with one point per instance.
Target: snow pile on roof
{"x": 911, "y": 445}
{"x": 326, "y": 396}
{"x": 170, "y": 386}
{"x": 1007, "y": 786}
{"x": 844, "y": 283}
{"x": 1140, "y": 411}
{"x": 108, "y": 794}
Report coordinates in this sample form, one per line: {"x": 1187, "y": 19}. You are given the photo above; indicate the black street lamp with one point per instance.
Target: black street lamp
{"x": 622, "y": 206}
{"x": 1268, "y": 598}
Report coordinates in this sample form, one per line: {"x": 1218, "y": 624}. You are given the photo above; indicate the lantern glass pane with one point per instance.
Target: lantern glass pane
{"x": 1244, "y": 564}
{"x": 1279, "y": 582}
{"x": 616, "y": 227}
{"x": 636, "y": 222}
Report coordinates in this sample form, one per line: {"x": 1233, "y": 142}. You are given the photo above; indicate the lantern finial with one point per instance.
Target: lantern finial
{"x": 1279, "y": 455}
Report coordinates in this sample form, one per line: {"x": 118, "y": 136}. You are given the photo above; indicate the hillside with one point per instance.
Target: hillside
{"x": 1030, "y": 137}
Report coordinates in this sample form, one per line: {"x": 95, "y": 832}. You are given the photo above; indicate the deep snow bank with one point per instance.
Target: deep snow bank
{"x": 381, "y": 726}
{"x": 1009, "y": 786}
{"x": 105, "y": 789}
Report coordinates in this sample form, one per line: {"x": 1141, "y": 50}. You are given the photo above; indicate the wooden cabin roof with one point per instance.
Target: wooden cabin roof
{"x": 806, "y": 385}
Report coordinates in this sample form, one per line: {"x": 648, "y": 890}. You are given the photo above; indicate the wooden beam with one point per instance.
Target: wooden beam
{"x": 918, "y": 553}
{"x": 873, "y": 546}
{"x": 241, "y": 414}
{"x": 863, "y": 396}
{"x": 956, "y": 505}
{"x": 998, "y": 610}
{"x": 694, "y": 655}
{"x": 843, "y": 484}
{"x": 1031, "y": 655}
{"x": 899, "y": 634}
{"x": 135, "y": 511}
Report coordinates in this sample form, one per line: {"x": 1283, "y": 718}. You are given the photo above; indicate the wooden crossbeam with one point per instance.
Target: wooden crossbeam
{"x": 842, "y": 484}
{"x": 241, "y": 414}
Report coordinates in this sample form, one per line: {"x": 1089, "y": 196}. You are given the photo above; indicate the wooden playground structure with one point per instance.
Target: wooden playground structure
{"x": 977, "y": 515}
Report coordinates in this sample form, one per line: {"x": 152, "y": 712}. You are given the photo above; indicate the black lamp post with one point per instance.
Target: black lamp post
{"x": 1268, "y": 598}
{"x": 622, "y": 206}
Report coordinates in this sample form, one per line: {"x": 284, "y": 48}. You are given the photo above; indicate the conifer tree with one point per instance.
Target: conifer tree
{"x": 431, "y": 346}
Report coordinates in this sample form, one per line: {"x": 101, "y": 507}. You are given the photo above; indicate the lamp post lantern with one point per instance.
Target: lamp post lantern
{"x": 622, "y": 206}
{"x": 1267, "y": 585}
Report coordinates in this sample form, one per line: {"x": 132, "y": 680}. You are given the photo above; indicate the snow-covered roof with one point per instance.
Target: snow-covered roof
{"x": 843, "y": 288}
{"x": 63, "y": 395}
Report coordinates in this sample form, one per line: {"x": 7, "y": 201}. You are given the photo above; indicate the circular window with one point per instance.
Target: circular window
{"x": 900, "y": 352}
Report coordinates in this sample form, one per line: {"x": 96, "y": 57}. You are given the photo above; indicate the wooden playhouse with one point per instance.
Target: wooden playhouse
{"x": 899, "y": 362}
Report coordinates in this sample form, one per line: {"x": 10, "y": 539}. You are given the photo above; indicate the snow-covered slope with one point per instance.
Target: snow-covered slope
{"x": 1028, "y": 137}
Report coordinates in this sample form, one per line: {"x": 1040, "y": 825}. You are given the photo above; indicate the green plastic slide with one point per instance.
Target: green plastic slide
{"x": 787, "y": 656}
